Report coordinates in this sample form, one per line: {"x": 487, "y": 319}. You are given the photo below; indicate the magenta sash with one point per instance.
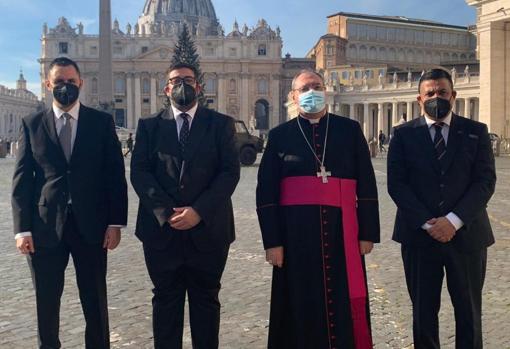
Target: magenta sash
{"x": 338, "y": 192}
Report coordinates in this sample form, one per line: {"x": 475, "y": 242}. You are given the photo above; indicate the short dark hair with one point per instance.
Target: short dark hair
{"x": 64, "y": 62}
{"x": 435, "y": 74}
{"x": 182, "y": 65}
{"x": 306, "y": 71}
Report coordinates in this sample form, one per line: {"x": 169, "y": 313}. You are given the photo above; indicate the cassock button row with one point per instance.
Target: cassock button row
{"x": 331, "y": 314}
{"x": 331, "y": 325}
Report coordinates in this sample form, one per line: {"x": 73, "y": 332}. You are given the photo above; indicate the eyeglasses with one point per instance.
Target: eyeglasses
{"x": 190, "y": 80}
{"x": 306, "y": 88}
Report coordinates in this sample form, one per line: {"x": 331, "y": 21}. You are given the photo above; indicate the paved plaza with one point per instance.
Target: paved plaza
{"x": 246, "y": 281}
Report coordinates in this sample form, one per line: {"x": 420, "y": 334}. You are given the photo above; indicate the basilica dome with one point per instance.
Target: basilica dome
{"x": 197, "y": 14}
{"x": 175, "y": 8}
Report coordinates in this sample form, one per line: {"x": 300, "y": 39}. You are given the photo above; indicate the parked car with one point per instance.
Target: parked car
{"x": 249, "y": 145}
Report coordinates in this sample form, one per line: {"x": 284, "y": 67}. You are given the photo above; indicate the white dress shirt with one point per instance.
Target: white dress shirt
{"x": 60, "y": 120}
{"x": 59, "y": 123}
{"x": 180, "y": 121}
{"x": 452, "y": 217}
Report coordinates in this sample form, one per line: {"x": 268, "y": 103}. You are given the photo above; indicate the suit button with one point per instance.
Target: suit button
{"x": 68, "y": 172}
{"x": 182, "y": 186}
{"x": 441, "y": 185}
{"x": 442, "y": 173}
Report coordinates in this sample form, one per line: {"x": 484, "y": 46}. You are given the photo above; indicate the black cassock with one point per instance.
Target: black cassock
{"x": 310, "y": 304}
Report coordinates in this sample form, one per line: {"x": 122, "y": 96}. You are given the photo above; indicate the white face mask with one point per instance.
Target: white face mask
{"x": 312, "y": 101}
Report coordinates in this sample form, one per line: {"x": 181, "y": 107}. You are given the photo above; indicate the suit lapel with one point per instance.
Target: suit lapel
{"x": 455, "y": 134}
{"x": 84, "y": 129}
{"x": 428, "y": 145}
{"x": 51, "y": 130}
{"x": 167, "y": 136}
{"x": 198, "y": 129}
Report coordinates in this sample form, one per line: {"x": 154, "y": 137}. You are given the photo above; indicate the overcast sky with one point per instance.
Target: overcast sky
{"x": 302, "y": 22}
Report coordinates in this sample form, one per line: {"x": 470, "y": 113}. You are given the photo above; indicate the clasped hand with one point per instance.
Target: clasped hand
{"x": 441, "y": 229}
{"x": 184, "y": 218}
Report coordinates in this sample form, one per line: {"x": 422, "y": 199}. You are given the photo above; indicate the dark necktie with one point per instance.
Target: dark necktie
{"x": 65, "y": 136}
{"x": 184, "y": 133}
{"x": 439, "y": 142}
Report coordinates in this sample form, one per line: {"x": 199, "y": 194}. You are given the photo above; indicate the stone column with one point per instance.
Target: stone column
{"x": 129, "y": 101}
{"x": 380, "y": 118}
{"x": 245, "y": 98}
{"x": 222, "y": 93}
{"x": 138, "y": 97}
{"x": 366, "y": 116}
{"x": 275, "y": 97}
{"x": 394, "y": 114}
{"x": 154, "y": 95}
{"x": 352, "y": 111}
{"x": 409, "y": 112}
{"x": 467, "y": 108}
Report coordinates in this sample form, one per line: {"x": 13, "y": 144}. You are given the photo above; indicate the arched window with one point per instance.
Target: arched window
{"x": 382, "y": 54}
{"x": 362, "y": 53}
{"x": 410, "y": 56}
{"x": 352, "y": 52}
{"x": 372, "y": 54}
{"x": 392, "y": 55}
{"x": 262, "y": 114}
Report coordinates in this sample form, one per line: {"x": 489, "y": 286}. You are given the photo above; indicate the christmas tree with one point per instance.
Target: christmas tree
{"x": 186, "y": 52}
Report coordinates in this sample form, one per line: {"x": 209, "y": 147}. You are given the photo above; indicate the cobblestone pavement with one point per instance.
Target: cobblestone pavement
{"x": 246, "y": 282}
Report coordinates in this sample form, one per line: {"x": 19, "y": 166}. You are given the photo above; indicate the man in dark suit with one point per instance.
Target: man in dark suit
{"x": 184, "y": 169}
{"x": 69, "y": 197}
{"x": 441, "y": 175}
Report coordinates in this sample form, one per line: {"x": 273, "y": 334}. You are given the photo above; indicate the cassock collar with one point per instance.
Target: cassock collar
{"x": 313, "y": 121}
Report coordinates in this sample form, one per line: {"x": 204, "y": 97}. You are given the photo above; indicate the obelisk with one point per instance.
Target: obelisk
{"x": 105, "y": 56}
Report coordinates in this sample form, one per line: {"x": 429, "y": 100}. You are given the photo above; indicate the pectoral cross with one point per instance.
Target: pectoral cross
{"x": 324, "y": 174}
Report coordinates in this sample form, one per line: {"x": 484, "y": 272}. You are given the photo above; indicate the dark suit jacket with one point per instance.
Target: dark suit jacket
{"x": 417, "y": 183}
{"x": 43, "y": 179}
{"x": 210, "y": 175}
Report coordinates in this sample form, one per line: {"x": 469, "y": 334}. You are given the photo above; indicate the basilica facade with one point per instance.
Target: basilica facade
{"x": 244, "y": 74}
{"x": 14, "y": 105}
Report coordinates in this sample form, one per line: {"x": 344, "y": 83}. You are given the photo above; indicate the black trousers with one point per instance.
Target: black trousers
{"x": 48, "y": 267}
{"x": 425, "y": 268}
{"x": 179, "y": 269}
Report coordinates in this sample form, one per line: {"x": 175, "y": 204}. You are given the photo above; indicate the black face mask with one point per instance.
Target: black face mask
{"x": 183, "y": 95}
{"x": 437, "y": 108}
{"x": 66, "y": 94}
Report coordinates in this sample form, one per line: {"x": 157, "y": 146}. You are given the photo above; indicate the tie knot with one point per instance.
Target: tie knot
{"x": 439, "y": 125}
{"x": 67, "y": 116}
{"x": 184, "y": 116}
